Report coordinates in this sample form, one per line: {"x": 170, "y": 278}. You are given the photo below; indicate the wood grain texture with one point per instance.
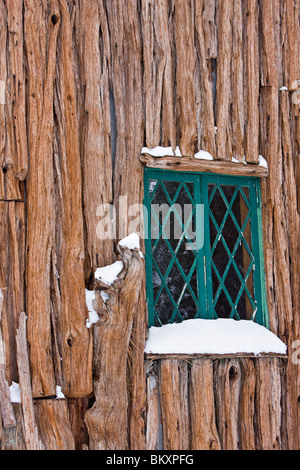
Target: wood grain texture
{"x": 12, "y": 269}
{"x": 204, "y": 434}
{"x": 75, "y": 338}
{"x": 54, "y": 424}
{"x": 107, "y": 420}
{"x": 203, "y": 166}
{"x": 6, "y": 409}
{"x": 30, "y": 431}
{"x": 40, "y": 202}
{"x": 87, "y": 85}
{"x": 174, "y": 404}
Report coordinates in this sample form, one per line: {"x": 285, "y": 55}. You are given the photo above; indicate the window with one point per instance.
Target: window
{"x": 204, "y": 255}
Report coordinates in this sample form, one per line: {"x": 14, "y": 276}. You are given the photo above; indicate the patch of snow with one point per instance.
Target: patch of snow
{"x": 178, "y": 152}
{"x": 221, "y": 336}
{"x": 283, "y": 88}
{"x": 93, "y": 316}
{"x": 216, "y": 130}
{"x": 132, "y": 242}
{"x": 234, "y": 160}
{"x": 108, "y": 274}
{"x": 15, "y": 393}
{"x": 203, "y": 155}
{"x": 158, "y": 151}
{"x": 168, "y": 151}
{"x": 262, "y": 161}
{"x": 104, "y": 296}
{"x": 59, "y": 393}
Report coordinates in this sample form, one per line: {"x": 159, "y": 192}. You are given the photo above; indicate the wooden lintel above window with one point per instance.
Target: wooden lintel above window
{"x": 193, "y": 164}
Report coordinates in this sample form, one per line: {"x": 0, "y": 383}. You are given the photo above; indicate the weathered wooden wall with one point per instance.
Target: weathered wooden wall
{"x": 88, "y": 84}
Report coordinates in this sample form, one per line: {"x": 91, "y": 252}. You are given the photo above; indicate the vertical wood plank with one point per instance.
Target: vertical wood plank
{"x": 268, "y": 409}
{"x": 30, "y": 429}
{"x": 251, "y": 79}
{"x": 204, "y": 434}
{"x": 174, "y": 405}
{"x": 6, "y": 409}
{"x": 205, "y": 101}
{"x": 227, "y": 394}
{"x": 271, "y": 51}
{"x": 290, "y": 43}
{"x": 152, "y": 425}
{"x": 93, "y": 46}
{"x": 17, "y": 92}
{"x": 225, "y": 15}
{"x": 40, "y": 203}
{"x": 237, "y": 64}
{"x": 54, "y": 424}
{"x": 185, "y": 69}
{"x": 13, "y": 155}
{"x": 247, "y": 404}
{"x": 124, "y": 22}
{"x": 75, "y": 338}
{"x": 12, "y": 269}
{"x": 108, "y": 421}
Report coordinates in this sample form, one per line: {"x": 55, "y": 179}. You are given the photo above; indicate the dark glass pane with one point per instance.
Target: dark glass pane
{"x": 223, "y": 308}
{"x": 218, "y": 206}
{"x": 162, "y": 256}
{"x": 230, "y": 209}
{"x": 230, "y": 233}
{"x": 188, "y": 308}
{"x": 163, "y": 309}
{"x": 171, "y": 188}
{"x": 232, "y": 283}
{"x": 220, "y": 258}
{"x": 178, "y": 230}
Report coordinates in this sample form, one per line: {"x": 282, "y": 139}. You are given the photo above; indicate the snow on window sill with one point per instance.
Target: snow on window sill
{"x": 213, "y": 338}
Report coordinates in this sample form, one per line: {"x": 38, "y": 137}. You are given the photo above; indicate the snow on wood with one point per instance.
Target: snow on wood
{"x": 158, "y": 151}
{"x": 203, "y": 155}
{"x": 262, "y": 161}
{"x": 59, "y": 393}
{"x": 132, "y": 242}
{"x": 93, "y": 316}
{"x": 15, "y": 393}
{"x": 108, "y": 274}
{"x": 168, "y": 152}
{"x": 221, "y": 336}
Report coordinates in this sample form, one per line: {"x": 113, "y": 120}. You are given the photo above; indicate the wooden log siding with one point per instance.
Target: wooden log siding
{"x": 87, "y": 85}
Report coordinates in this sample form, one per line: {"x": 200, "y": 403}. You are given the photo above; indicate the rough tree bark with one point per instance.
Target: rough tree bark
{"x": 216, "y": 75}
{"x": 107, "y": 420}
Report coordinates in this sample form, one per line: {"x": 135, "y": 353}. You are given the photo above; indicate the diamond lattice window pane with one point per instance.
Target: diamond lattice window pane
{"x": 176, "y": 294}
{"x": 230, "y": 232}
{"x": 220, "y": 277}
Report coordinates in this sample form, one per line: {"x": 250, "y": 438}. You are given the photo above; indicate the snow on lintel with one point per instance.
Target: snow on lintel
{"x": 219, "y": 337}
{"x": 201, "y": 155}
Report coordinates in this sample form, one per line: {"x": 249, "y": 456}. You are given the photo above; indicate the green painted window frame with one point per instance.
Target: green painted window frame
{"x": 203, "y": 255}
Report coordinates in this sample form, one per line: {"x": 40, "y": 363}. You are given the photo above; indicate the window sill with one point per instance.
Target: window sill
{"x": 215, "y": 339}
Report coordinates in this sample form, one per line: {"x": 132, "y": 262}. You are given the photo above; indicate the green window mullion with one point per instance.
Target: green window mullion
{"x": 206, "y": 255}
{"x": 258, "y": 272}
{"x": 148, "y": 250}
